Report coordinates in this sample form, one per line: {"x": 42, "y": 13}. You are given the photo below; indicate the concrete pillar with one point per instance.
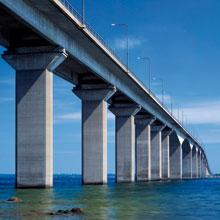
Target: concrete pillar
{"x": 143, "y": 143}
{"x": 125, "y": 141}
{"x": 175, "y": 157}
{"x": 165, "y": 153}
{"x": 94, "y": 132}
{"x": 198, "y": 161}
{"x": 203, "y": 167}
{"x": 186, "y": 160}
{"x": 194, "y": 163}
{"x": 34, "y": 114}
{"x": 201, "y": 164}
{"x": 206, "y": 170}
{"x": 156, "y": 151}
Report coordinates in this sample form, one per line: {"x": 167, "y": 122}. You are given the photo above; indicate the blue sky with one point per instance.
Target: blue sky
{"x": 182, "y": 39}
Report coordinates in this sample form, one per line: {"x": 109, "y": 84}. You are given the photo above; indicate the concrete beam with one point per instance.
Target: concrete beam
{"x": 143, "y": 147}
{"x": 125, "y": 141}
{"x": 34, "y": 114}
{"x": 94, "y": 133}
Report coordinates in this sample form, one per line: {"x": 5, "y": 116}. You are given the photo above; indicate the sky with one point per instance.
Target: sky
{"x": 182, "y": 39}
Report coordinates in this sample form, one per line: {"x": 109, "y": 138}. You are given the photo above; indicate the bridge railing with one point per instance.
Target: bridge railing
{"x": 70, "y": 8}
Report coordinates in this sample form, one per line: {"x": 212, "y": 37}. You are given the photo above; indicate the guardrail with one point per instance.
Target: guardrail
{"x": 70, "y": 8}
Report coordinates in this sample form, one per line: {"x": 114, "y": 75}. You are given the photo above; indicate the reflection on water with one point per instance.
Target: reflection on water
{"x": 199, "y": 199}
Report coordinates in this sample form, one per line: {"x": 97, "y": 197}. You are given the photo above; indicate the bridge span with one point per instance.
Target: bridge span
{"x": 46, "y": 37}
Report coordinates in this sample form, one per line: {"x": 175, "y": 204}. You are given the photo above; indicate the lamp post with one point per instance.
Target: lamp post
{"x": 162, "y": 87}
{"x": 127, "y": 43}
{"x": 182, "y": 118}
{"x": 178, "y": 112}
{"x": 148, "y": 69}
{"x": 83, "y": 12}
{"x": 171, "y": 105}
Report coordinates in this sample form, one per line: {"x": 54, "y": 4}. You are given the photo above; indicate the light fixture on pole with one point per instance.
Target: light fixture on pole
{"x": 162, "y": 87}
{"x": 182, "y": 118}
{"x": 127, "y": 43}
{"x": 178, "y": 113}
{"x": 171, "y": 105}
{"x": 148, "y": 69}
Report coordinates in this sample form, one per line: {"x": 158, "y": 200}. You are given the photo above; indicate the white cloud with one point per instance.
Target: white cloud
{"x": 121, "y": 43}
{"x": 76, "y": 116}
{"x": 66, "y": 152}
{"x": 10, "y": 82}
{"x": 166, "y": 98}
{"x": 155, "y": 83}
{"x": 206, "y": 112}
{"x": 7, "y": 99}
{"x": 211, "y": 136}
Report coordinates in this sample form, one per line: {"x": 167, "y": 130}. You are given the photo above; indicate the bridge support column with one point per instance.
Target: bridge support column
{"x": 199, "y": 163}
{"x": 34, "y": 114}
{"x": 194, "y": 163}
{"x": 206, "y": 170}
{"x": 203, "y": 168}
{"x": 186, "y": 161}
{"x": 165, "y": 153}
{"x": 143, "y": 143}
{"x": 125, "y": 141}
{"x": 156, "y": 151}
{"x": 94, "y": 132}
{"x": 175, "y": 157}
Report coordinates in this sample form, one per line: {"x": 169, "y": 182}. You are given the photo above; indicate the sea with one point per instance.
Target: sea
{"x": 167, "y": 200}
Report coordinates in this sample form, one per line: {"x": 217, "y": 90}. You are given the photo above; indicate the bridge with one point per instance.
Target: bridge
{"x": 48, "y": 37}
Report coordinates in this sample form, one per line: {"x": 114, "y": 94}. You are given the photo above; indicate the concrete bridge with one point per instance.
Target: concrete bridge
{"x": 46, "y": 37}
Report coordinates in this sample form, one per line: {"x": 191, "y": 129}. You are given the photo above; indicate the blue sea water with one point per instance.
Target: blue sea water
{"x": 173, "y": 200}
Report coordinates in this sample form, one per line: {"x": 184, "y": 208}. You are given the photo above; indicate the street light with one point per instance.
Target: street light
{"x": 83, "y": 12}
{"x": 127, "y": 43}
{"x": 171, "y": 104}
{"x": 162, "y": 87}
{"x": 178, "y": 113}
{"x": 148, "y": 60}
{"x": 182, "y": 118}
